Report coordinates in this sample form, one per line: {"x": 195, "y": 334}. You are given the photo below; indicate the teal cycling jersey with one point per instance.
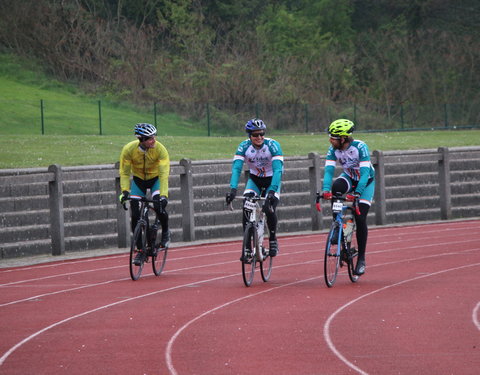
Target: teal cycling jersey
{"x": 266, "y": 161}
{"x": 356, "y": 163}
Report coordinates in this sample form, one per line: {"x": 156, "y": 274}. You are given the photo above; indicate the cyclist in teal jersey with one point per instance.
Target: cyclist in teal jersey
{"x": 264, "y": 158}
{"x": 357, "y": 178}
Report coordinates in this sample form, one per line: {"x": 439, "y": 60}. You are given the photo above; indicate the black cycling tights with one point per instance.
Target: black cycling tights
{"x": 162, "y": 214}
{"x": 271, "y": 217}
{"x": 341, "y": 186}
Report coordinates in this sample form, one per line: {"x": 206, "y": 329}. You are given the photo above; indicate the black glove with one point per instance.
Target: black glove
{"x": 271, "y": 197}
{"x": 159, "y": 203}
{"x": 123, "y": 197}
{"x": 269, "y": 201}
{"x": 163, "y": 201}
{"x": 231, "y": 196}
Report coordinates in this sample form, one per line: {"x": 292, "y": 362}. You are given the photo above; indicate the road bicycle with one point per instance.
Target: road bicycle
{"x": 341, "y": 247}
{"x": 254, "y": 249}
{"x": 145, "y": 241}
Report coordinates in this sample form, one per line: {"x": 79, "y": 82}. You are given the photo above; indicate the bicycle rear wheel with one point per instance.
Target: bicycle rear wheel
{"x": 332, "y": 260}
{"x": 159, "y": 257}
{"x": 139, "y": 237}
{"x": 352, "y": 252}
{"x": 248, "y": 256}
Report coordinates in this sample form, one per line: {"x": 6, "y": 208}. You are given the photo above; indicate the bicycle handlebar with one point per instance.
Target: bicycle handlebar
{"x": 354, "y": 205}
{"x": 142, "y": 199}
{"x": 254, "y": 199}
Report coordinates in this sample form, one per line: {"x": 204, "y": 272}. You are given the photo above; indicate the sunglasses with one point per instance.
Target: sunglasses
{"x": 144, "y": 139}
{"x": 256, "y": 135}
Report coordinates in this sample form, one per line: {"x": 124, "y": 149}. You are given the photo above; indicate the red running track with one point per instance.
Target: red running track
{"x": 415, "y": 311}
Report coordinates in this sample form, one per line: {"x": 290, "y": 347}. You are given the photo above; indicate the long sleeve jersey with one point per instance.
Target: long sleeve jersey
{"x": 355, "y": 161}
{"x": 264, "y": 162}
{"x": 144, "y": 164}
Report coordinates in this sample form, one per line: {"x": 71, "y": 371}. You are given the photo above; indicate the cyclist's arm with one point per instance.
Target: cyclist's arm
{"x": 328, "y": 173}
{"x": 365, "y": 168}
{"x": 163, "y": 170}
{"x": 237, "y": 167}
{"x": 362, "y": 182}
{"x": 277, "y": 164}
{"x": 125, "y": 169}
{"x": 237, "y": 164}
{"x": 329, "y": 170}
{"x": 277, "y": 167}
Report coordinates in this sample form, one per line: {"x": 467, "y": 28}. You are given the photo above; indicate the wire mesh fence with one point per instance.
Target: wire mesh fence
{"x": 210, "y": 119}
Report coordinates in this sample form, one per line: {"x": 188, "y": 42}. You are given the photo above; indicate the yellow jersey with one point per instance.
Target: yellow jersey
{"x": 144, "y": 164}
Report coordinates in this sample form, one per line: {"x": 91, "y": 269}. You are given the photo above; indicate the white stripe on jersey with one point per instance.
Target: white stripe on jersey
{"x": 330, "y": 162}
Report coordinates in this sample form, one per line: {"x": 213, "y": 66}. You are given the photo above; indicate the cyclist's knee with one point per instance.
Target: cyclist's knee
{"x": 340, "y": 185}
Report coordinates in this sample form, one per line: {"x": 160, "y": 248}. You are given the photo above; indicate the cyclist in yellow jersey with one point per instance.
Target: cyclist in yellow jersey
{"x": 148, "y": 161}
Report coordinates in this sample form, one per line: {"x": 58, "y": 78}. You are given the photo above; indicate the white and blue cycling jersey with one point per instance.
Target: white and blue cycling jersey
{"x": 265, "y": 162}
{"x": 356, "y": 164}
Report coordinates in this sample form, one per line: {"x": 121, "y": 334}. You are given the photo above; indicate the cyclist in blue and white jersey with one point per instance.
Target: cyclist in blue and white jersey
{"x": 264, "y": 158}
{"x": 357, "y": 178}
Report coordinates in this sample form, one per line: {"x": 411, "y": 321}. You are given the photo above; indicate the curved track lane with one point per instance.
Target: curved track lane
{"x": 416, "y": 310}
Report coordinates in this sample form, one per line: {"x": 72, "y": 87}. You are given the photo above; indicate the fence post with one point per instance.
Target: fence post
{"x": 55, "y": 197}
{"x": 123, "y": 227}
{"x": 445, "y": 111}
{"x": 100, "y": 115}
{"x": 208, "y": 119}
{"x": 155, "y": 114}
{"x": 402, "y": 124}
{"x": 306, "y": 117}
{"x": 444, "y": 181}
{"x": 186, "y": 194}
{"x": 42, "y": 117}
{"x": 314, "y": 176}
{"x": 380, "y": 196}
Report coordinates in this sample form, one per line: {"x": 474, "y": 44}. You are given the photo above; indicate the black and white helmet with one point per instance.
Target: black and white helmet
{"x": 145, "y": 130}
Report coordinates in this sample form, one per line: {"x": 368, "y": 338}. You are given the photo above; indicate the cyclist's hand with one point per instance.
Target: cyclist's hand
{"x": 163, "y": 201}
{"x": 352, "y": 197}
{"x": 327, "y": 195}
{"x": 230, "y": 196}
{"x": 271, "y": 197}
{"x": 123, "y": 197}
{"x": 269, "y": 201}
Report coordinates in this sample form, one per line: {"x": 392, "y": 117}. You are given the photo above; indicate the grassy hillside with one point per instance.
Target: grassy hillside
{"x": 65, "y": 110}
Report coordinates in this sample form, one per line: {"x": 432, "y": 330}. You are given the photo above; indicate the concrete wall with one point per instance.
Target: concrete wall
{"x": 63, "y": 209}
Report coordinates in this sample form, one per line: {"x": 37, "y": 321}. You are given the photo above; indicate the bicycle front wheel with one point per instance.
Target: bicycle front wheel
{"x": 248, "y": 256}
{"x": 332, "y": 260}
{"x": 266, "y": 264}
{"x": 352, "y": 251}
{"x": 138, "y": 247}
{"x": 159, "y": 257}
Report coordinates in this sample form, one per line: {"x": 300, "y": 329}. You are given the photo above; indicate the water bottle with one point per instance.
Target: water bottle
{"x": 348, "y": 227}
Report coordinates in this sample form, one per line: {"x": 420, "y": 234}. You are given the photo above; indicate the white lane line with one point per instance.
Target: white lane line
{"x": 326, "y": 327}
{"x": 169, "y": 348}
{"x": 475, "y": 313}
{"x": 27, "y": 339}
